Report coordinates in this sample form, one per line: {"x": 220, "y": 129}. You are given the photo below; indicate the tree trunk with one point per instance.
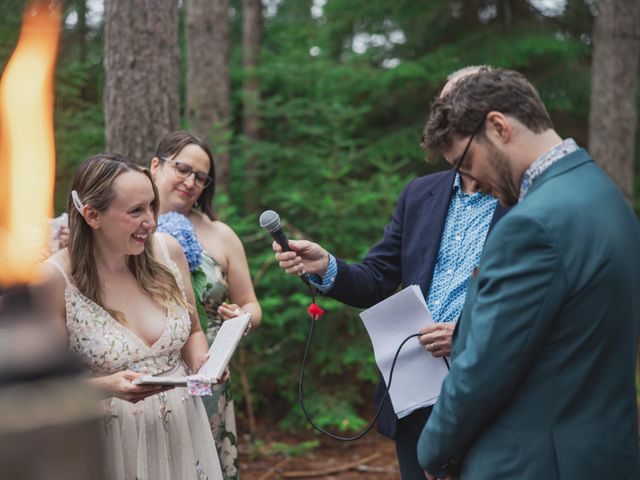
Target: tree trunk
{"x": 251, "y": 43}
{"x": 82, "y": 30}
{"x": 141, "y": 99}
{"x": 208, "y": 86}
{"x": 82, "y": 42}
{"x": 614, "y": 80}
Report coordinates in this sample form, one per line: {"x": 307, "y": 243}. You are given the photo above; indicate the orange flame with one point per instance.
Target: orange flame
{"x": 27, "y": 150}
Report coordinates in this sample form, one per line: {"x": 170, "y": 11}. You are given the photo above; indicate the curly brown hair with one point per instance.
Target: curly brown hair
{"x": 461, "y": 111}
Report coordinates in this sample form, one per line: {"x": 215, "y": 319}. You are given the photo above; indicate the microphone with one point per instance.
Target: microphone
{"x": 270, "y": 221}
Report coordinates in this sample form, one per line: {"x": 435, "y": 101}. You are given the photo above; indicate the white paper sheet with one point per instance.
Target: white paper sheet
{"x": 417, "y": 376}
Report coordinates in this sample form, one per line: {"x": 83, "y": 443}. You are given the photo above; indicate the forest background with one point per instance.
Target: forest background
{"x": 316, "y": 112}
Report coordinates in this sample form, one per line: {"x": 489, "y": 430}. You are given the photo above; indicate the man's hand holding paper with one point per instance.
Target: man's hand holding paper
{"x": 417, "y": 377}
{"x": 437, "y": 337}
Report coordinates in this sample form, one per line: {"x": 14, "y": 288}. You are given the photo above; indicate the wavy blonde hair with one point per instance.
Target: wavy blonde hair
{"x": 93, "y": 183}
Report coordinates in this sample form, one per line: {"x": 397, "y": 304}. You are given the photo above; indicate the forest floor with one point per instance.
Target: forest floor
{"x": 274, "y": 455}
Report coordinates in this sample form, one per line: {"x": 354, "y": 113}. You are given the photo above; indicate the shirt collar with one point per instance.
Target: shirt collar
{"x": 465, "y": 197}
{"x": 457, "y": 185}
{"x": 543, "y": 162}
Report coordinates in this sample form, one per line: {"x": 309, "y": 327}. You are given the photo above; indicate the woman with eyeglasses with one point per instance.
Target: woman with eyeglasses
{"x": 183, "y": 170}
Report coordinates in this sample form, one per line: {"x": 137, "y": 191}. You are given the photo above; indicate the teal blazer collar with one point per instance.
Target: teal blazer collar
{"x": 571, "y": 161}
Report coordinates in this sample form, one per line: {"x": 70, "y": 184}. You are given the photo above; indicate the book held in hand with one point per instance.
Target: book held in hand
{"x": 220, "y": 353}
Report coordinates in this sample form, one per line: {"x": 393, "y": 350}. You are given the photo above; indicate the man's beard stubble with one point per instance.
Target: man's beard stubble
{"x": 506, "y": 191}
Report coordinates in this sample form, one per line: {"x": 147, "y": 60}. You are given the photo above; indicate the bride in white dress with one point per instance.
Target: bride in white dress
{"x": 124, "y": 295}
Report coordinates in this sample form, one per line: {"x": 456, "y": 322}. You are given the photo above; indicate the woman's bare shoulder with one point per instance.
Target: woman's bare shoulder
{"x": 48, "y": 269}
{"x": 223, "y": 229}
{"x": 50, "y": 283}
{"x": 173, "y": 247}
{"x": 216, "y": 228}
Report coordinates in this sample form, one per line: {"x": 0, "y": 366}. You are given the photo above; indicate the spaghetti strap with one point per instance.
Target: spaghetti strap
{"x": 163, "y": 247}
{"x": 61, "y": 270}
{"x": 172, "y": 265}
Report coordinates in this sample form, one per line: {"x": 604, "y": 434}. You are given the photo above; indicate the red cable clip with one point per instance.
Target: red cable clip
{"x": 315, "y": 311}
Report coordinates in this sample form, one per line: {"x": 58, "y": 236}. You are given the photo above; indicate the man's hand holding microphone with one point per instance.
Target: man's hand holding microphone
{"x": 309, "y": 257}
{"x": 302, "y": 257}
{"x": 299, "y": 257}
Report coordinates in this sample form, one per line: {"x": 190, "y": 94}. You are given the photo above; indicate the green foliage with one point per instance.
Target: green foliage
{"x": 341, "y": 130}
{"x": 329, "y": 412}
{"x": 300, "y": 449}
{"x": 259, "y": 449}
{"x": 199, "y": 283}
{"x": 340, "y": 139}
{"x": 79, "y": 120}
{"x": 11, "y": 14}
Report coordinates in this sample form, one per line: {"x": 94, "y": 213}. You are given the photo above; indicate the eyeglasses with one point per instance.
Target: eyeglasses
{"x": 466, "y": 149}
{"x": 184, "y": 171}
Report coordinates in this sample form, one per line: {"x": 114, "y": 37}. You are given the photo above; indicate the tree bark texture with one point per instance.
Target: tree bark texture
{"x": 82, "y": 30}
{"x": 614, "y": 80}
{"x": 141, "y": 60}
{"x": 208, "y": 85}
{"x": 251, "y": 44}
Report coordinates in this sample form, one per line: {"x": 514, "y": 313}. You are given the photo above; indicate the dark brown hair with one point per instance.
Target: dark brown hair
{"x": 171, "y": 145}
{"x": 459, "y": 113}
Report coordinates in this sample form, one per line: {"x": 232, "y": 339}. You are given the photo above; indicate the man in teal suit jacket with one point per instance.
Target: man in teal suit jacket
{"x": 542, "y": 380}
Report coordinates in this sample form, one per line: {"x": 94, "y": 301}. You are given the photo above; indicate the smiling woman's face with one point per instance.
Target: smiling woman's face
{"x": 128, "y": 221}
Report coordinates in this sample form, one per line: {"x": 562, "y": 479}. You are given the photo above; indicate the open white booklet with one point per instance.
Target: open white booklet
{"x": 417, "y": 376}
{"x": 220, "y": 354}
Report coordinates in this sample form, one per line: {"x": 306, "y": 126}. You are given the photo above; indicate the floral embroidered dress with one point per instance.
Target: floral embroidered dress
{"x": 165, "y": 436}
{"x": 220, "y": 405}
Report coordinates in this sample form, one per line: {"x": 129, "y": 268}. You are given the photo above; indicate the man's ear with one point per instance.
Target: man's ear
{"x": 499, "y": 129}
{"x": 155, "y": 165}
{"x": 92, "y": 217}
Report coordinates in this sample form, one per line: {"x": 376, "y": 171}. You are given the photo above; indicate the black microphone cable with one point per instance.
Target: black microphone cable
{"x": 314, "y": 318}
{"x": 270, "y": 221}
{"x": 375, "y": 419}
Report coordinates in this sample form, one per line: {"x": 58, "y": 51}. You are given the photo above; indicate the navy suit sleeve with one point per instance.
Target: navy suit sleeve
{"x": 379, "y": 274}
{"x": 521, "y": 286}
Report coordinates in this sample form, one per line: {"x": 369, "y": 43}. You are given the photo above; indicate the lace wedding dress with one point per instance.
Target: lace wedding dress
{"x": 166, "y": 436}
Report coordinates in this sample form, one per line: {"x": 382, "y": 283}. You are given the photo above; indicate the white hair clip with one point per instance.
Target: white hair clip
{"x": 76, "y": 201}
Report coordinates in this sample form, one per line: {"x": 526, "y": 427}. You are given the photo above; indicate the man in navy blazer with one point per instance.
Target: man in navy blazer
{"x": 436, "y": 232}
{"x": 542, "y": 379}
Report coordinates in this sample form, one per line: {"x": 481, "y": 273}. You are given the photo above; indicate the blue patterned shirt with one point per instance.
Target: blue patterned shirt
{"x": 463, "y": 236}
{"x": 465, "y": 230}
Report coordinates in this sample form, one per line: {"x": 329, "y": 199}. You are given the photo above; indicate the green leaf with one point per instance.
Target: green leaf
{"x": 199, "y": 283}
